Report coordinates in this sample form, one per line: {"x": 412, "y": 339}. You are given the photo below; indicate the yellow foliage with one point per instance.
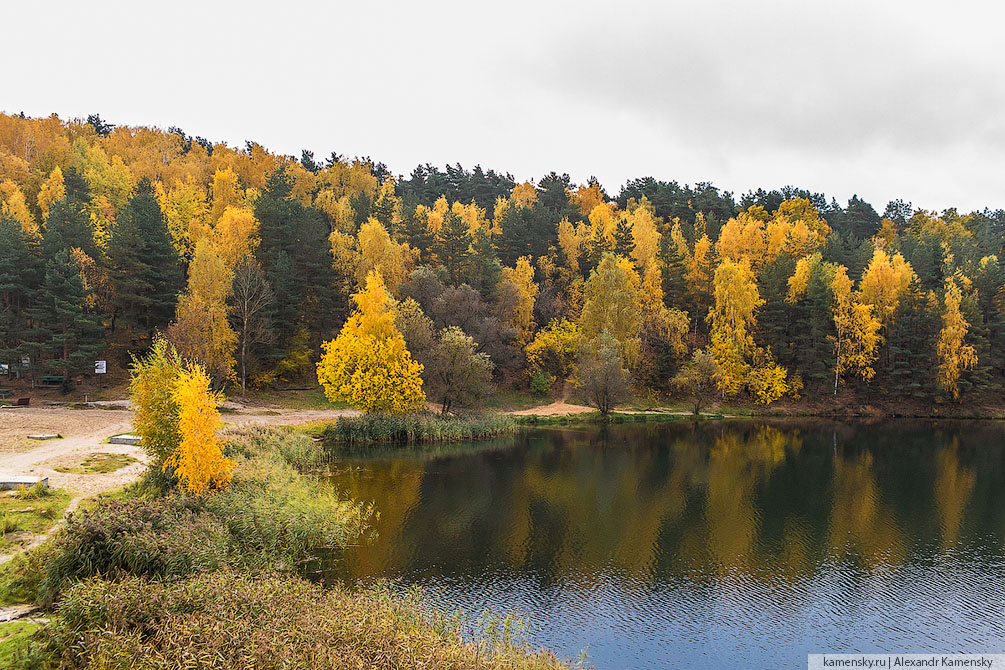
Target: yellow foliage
{"x": 743, "y": 237}
{"x": 554, "y": 348}
{"x": 151, "y": 390}
{"x": 585, "y": 198}
{"x": 732, "y": 318}
{"x": 13, "y": 205}
{"x": 434, "y": 216}
{"x": 570, "y": 241}
{"x": 768, "y": 383}
{"x": 474, "y": 216}
{"x": 954, "y": 355}
{"x": 858, "y": 339}
{"x": 110, "y": 178}
{"x": 603, "y": 222}
{"x": 53, "y": 190}
{"x": 377, "y": 251}
{"x": 523, "y": 195}
{"x": 884, "y": 282}
{"x": 368, "y": 364}
{"x": 613, "y": 303}
{"x": 185, "y": 209}
{"x": 201, "y": 330}
{"x": 235, "y": 235}
{"x": 338, "y": 209}
{"x": 795, "y": 228}
{"x": 646, "y": 236}
{"x": 886, "y": 238}
{"x": 226, "y": 193}
{"x": 799, "y": 279}
{"x": 522, "y": 279}
{"x": 199, "y": 463}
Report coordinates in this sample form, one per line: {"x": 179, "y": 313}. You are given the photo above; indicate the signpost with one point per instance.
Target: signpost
{"x": 99, "y": 367}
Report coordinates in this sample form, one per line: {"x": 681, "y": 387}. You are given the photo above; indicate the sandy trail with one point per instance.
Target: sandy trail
{"x": 85, "y": 432}
{"x": 558, "y": 408}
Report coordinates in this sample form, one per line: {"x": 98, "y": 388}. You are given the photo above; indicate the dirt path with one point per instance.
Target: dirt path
{"x": 557, "y": 408}
{"x": 85, "y": 432}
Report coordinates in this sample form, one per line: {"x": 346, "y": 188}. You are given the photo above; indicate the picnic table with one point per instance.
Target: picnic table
{"x": 53, "y": 380}
{"x": 4, "y": 393}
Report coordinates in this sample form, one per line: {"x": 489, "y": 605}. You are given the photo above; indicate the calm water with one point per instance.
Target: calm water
{"x": 730, "y": 545}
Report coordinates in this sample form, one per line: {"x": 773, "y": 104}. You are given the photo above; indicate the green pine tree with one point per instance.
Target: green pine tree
{"x": 453, "y": 247}
{"x": 624, "y": 239}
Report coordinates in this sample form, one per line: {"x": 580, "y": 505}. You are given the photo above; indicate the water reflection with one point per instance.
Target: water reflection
{"x": 697, "y": 544}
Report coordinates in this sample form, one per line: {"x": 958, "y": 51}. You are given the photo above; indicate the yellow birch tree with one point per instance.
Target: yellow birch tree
{"x": 199, "y": 463}
{"x": 954, "y": 355}
{"x": 368, "y": 364}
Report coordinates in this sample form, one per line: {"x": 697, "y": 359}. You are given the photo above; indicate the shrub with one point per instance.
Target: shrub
{"x": 541, "y": 383}
{"x": 232, "y": 620}
{"x": 167, "y": 536}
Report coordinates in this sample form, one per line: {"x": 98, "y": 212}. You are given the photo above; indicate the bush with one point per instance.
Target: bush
{"x": 232, "y": 620}
{"x": 413, "y": 429}
{"x": 541, "y": 383}
{"x": 169, "y": 536}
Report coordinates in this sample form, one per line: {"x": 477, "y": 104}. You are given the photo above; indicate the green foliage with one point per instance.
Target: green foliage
{"x": 697, "y": 379}
{"x": 541, "y": 383}
{"x": 151, "y": 387}
{"x": 144, "y": 265}
{"x": 601, "y": 373}
{"x": 457, "y": 373}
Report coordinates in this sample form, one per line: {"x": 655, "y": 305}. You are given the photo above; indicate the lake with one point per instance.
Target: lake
{"x": 728, "y": 544}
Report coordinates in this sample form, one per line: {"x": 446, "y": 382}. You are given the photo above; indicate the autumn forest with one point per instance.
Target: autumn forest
{"x": 252, "y": 264}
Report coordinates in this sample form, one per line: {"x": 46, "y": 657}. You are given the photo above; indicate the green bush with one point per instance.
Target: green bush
{"x": 168, "y": 536}
{"x": 541, "y": 383}
{"x": 413, "y": 429}
{"x": 233, "y": 620}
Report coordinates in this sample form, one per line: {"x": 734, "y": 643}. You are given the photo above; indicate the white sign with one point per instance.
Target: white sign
{"x": 99, "y": 367}
{"x": 26, "y": 361}
{"x": 4, "y": 370}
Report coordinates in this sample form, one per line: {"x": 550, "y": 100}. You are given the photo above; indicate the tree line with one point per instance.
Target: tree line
{"x": 253, "y": 263}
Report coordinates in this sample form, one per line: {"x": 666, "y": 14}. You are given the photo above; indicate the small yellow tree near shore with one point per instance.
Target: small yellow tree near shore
{"x": 177, "y": 419}
{"x": 199, "y": 463}
{"x": 368, "y": 365}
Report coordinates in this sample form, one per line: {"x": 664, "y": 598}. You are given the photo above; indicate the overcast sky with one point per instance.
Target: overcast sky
{"x": 883, "y": 99}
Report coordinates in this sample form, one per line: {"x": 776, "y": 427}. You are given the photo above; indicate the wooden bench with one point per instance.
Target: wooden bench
{"x": 53, "y": 380}
{"x": 22, "y": 402}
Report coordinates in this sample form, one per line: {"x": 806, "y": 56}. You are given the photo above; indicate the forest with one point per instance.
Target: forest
{"x": 252, "y": 263}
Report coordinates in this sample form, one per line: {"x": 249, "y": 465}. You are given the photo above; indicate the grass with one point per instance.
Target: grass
{"x": 26, "y": 512}
{"x": 99, "y": 463}
{"x": 509, "y": 400}
{"x": 350, "y": 433}
{"x": 14, "y": 640}
{"x": 312, "y": 398}
{"x": 231, "y": 620}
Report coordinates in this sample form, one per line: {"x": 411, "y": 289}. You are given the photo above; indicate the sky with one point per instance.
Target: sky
{"x": 880, "y": 99}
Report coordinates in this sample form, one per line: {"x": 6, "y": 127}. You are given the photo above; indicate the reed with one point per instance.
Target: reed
{"x": 351, "y": 432}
